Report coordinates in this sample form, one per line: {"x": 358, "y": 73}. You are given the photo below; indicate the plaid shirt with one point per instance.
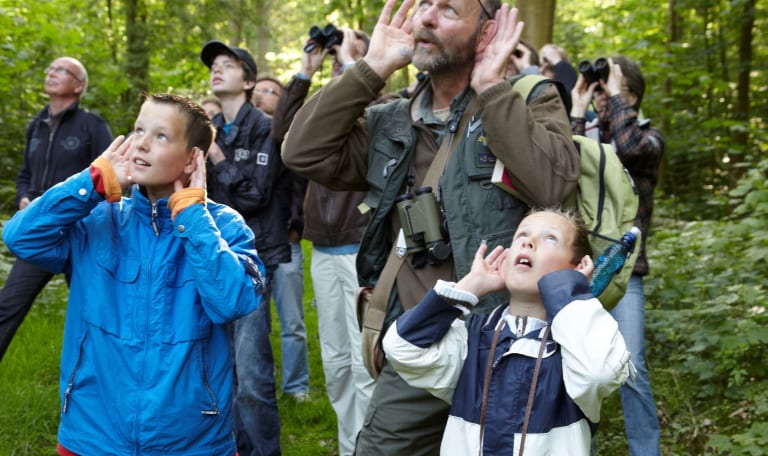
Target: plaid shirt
{"x": 640, "y": 147}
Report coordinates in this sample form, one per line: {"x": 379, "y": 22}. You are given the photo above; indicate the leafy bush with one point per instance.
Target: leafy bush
{"x": 709, "y": 325}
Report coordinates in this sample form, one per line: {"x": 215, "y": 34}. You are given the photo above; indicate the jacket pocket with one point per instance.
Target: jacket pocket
{"x": 386, "y": 155}
{"x": 111, "y": 308}
{"x": 183, "y": 317}
{"x": 72, "y": 376}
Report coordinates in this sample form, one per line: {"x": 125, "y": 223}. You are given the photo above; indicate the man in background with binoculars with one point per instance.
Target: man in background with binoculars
{"x": 466, "y": 112}
{"x": 616, "y": 86}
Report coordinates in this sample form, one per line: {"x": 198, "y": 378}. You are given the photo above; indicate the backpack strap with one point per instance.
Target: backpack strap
{"x": 526, "y": 85}
{"x": 532, "y": 390}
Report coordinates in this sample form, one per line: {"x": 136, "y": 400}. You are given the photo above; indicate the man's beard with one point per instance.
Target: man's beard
{"x": 438, "y": 59}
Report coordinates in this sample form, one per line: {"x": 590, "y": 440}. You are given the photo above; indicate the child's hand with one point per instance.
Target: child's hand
{"x": 586, "y": 266}
{"x": 484, "y": 277}
{"x": 119, "y": 158}
{"x": 197, "y": 178}
{"x": 215, "y": 154}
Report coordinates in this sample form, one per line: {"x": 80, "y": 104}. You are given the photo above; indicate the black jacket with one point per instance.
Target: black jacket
{"x": 52, "y": 156}
{"x": 253, "y": 181}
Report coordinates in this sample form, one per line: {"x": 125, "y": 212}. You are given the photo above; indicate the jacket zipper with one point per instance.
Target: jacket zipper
{"x": 44, "y": 176}
{"x": 153, "y": 219}
{"x": 71, "y": 382}
{"x": 215, "y": 407}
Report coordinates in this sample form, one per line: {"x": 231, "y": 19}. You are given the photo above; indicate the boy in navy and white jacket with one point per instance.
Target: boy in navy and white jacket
{"x": 438, "y": 345}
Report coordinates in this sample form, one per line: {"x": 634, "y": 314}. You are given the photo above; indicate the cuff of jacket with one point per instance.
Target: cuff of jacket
{"x": 560, "y": 288}
{"x": 184, "y": 198}
{"x": 105, "y": 180}
{"x": 370, "y": 77}
{"x": 460, "y": 299}
{"x": 578, "y": 125}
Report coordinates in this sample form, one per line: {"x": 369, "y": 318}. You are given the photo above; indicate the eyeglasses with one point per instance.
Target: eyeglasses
{"x": 62, "y": 71}
{"x": 484, "y": 10}
{"x": 267, "y": 91}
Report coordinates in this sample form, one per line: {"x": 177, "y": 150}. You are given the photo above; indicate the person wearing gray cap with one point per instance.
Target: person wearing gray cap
{"x": 245, "y": 172}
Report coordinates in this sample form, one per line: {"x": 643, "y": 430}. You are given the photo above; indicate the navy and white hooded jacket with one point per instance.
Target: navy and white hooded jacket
{"x": 585, "y": 359}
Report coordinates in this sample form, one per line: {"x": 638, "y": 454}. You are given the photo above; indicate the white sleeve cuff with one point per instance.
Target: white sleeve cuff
{"x": 460, "y": 299}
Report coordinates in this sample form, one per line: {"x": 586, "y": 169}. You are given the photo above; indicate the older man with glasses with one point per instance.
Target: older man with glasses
{"x": 266, "y": 94}
{"x": 62, "y": 139}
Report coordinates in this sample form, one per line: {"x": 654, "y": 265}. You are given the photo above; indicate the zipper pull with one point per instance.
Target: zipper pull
{"x": 153, "y": 219}
{"x": 66, "y": 397}
{"x": 453, "y": 125}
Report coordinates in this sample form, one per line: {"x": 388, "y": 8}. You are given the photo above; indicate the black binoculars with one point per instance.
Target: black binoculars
{"x": 326, "y": 38}
{"x": 595, "y": 72}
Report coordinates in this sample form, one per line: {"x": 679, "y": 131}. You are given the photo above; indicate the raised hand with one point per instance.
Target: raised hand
{"x": 484, "y": 276}
{"x": 215, "y": 154}
{"x": 586, "y": 266}
{"x": 615, "y": 80}
{"x": 119, "y": 157}
{"x": 581, "y": 96}
{"x": 197, "y": 178}
{"x": 311, "y": 61}
{"x": 492, "y": 61}
{"x": 550, "y": 55}
{"x": 347, "y": 52}
{"x": 391, "y": 46}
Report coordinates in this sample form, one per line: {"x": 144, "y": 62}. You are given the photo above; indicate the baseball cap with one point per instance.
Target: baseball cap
{"x": 214, "y": 48}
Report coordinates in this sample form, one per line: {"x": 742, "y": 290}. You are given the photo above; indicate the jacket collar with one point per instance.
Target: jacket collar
{"x": 45, "y": 113}
{"x": 143, "y": 206}
{"x": 240, "y": 120}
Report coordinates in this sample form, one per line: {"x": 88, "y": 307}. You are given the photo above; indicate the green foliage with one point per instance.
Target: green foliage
{"x": 710, "y": 325}
{"x": 691, "y": 69}
{"x": 691, "y": 64}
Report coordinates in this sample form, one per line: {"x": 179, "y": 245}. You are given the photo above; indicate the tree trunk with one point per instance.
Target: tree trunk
{"x": 137, "y": 52}
{"x": 741, "y": 107}
{"x": 539, "y": 18}
{"x": 263, "y": 31}
{"x": 674, "y": 32}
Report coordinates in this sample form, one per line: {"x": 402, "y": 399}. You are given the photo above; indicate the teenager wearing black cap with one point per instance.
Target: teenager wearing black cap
{"x": 245, "y": 171}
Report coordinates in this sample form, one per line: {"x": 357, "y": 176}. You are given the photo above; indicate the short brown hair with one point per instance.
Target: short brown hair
{"x": 199, "y": 129}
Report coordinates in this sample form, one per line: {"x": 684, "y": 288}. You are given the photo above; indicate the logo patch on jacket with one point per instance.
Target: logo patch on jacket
{"x": 262, "y": 159}
{"x": 483, "y": 156}
{"x": 70, "y": 143}
{"x": 242, "y": 154}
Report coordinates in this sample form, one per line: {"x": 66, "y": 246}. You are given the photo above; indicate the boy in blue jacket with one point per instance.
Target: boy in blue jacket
{"x": 440, "y": 346}
{"x": 145, "y": 364}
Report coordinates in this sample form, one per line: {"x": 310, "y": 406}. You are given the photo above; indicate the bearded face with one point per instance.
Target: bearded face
{"x": 445, "y": 38}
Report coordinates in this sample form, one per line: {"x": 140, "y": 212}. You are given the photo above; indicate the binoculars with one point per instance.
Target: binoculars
{"x": 421, "y": 220}
{"x": 595, "y": 72}
{"x": 326, "y": 38}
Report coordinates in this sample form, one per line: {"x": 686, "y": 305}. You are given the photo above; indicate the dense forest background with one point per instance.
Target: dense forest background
{"x": 703, "y": 59}
{"x": 705, "y": 66}
{"x": 704, "y": 62}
